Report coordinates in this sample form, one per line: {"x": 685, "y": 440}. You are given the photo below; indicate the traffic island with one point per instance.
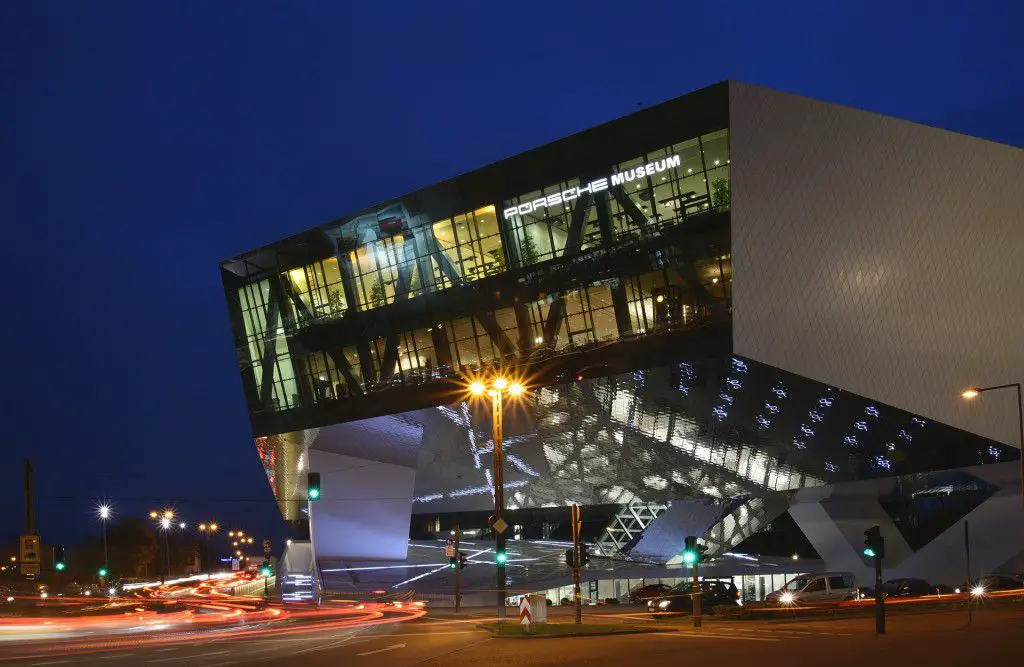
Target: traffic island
{"x": 553, "y": 630}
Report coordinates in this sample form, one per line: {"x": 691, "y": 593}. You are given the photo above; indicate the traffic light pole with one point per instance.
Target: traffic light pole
{"x": 879, "y": 600}
{"x": 458, "y": 568}
{"x": 577, "y": 525}
{"x": 499, "y": 497}
{"x": 696, "y": 595}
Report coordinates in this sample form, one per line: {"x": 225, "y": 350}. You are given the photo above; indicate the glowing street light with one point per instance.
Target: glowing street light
{"x": 165, "y": 523}
{"x": 104, "y": 513}
{"x": 499, "y": 387}
{"x": 973, "y": 392}
{"x": 202, "y": 527}
{"x": 153, "y": 514}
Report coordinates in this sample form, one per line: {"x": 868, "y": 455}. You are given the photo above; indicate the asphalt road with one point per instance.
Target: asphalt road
{"x": 443, "y": 639}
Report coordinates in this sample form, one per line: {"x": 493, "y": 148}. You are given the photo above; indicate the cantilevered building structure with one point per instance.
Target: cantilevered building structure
{"x": 736, "y": 308}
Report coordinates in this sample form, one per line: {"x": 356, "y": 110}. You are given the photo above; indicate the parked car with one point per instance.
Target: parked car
{"x": 989, "y": 583}
{"x": 816, "y": 588}
{"x": 908, "y": 588}
{"x": 642, "y": 594}
{"x": 679, "y": 598}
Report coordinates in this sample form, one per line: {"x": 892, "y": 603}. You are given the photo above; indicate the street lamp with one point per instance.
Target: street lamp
{"x": 499, "y": 387}
{"x": 104, "y": 513}
{"x": 207, "y": 529}
{"x": 973, "y": 392}
{"x": 165, "y": 525}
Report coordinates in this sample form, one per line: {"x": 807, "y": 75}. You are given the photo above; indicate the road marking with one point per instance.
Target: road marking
{"x": 321, "y": 647}
{"x": 382, "y": 650}
{"x": 190, "y": 657}
{"x": 113, "y": 657}
{"x": 51, "y": 662}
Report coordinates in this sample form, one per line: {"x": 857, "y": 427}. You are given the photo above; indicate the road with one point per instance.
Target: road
{"x": 442, "y": 638}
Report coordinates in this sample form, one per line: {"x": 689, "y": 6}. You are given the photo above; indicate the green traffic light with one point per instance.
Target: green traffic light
{"x": 689, "y": 557}
{"x": 869, "y": 552}
{"x": 314, "y": 493}
{"x": 103, "y": 572}
{"x": 265, "y": 572}
{"x": 60, "y": 566}
{"x": 501, "y": 557}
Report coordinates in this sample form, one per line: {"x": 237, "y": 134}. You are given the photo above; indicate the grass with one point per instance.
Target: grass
{"x": 541, "y": 630}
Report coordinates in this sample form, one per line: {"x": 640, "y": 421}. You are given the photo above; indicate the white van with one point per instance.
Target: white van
{"x": 816, "y": 588}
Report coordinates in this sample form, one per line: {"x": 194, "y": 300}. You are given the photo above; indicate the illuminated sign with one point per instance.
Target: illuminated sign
{"x": 594, "y": 186}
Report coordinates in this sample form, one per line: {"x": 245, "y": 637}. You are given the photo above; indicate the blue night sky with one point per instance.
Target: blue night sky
{"x": 144, "y": 142}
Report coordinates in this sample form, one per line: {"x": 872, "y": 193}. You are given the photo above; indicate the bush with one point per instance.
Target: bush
{"x": 611, "y": 600}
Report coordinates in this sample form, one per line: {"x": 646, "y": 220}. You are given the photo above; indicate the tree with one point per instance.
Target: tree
{"x": 378, "y": 295}
{"x": 527, "y": 250}
{"x": 721, "y": 193}
{"x": 335, "y": 303}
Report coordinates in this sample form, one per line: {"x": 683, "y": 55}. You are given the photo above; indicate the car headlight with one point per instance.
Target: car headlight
{"x": 664, "y": 603}
{"x": 977, "y": 591}
{"x": 956, "y": 590}
{"x": 786, "y": 598}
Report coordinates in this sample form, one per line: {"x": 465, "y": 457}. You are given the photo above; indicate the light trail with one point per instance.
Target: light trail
{"x": 169, "y": 615}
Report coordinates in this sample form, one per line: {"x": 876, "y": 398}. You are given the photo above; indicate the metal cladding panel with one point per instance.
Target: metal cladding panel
{"x": 878, "y": 256}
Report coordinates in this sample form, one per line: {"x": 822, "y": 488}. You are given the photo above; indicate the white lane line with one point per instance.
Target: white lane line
{"x": 114, "y": 657}
{"x": 323, "y": 647}
{"x": 382, "y": 650}
{"x": 51, "y": 662}
{"x": 190, "y": 657}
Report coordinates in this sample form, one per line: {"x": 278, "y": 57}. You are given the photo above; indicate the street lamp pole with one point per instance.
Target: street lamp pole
{"x": 497, "y": 393}
{"x": 972, "y": 392}
{"x": 497, "y": 406}
{"x": 104, "y": 515}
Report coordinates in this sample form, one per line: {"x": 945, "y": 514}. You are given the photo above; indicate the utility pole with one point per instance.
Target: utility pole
{"x": 577, "y": 530}
{"x": 458, "y": 567}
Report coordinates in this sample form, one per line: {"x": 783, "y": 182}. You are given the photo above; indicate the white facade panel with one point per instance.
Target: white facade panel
{"x": 878, "y": 256}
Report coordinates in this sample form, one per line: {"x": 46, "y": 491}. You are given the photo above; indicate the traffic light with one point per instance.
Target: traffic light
{"x": 462, "y": 560}
{"x": 874, "y": 543}
{"x": 500, "y": 557}
{"x": 584, "y": 555}
{"x": 59, "y": 561}
{"x": 570, "y": 557}
{"x": 265, "y": 569}
{"x": 452, "y": 562}
{"x": 313, "y": 486}
{"x": 690, "y": 553}
{"x": 102, "y": 572}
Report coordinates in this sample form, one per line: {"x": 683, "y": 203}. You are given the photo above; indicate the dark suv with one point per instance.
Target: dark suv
{"x": 678, "y": 598}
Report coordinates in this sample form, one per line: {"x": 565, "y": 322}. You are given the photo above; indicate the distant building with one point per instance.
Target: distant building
{"x": 733, "y": 308}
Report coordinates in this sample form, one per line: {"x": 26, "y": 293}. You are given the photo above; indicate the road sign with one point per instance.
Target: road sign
{"x": 30, "y": 569}
{"x": 500, "y": 526}
{"x": 266, "y": 548}
{"x": 525, "y": 618}
{"x": 29, "y": 549}
{"x": 449, "y": 551}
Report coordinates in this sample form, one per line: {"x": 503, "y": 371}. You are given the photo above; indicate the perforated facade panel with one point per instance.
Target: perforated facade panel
{"x": 878, "y": 256}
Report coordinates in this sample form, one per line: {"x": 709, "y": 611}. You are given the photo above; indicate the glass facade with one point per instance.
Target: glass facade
{"x": 639, "y": 196}
{"x": 407, "y": 293}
